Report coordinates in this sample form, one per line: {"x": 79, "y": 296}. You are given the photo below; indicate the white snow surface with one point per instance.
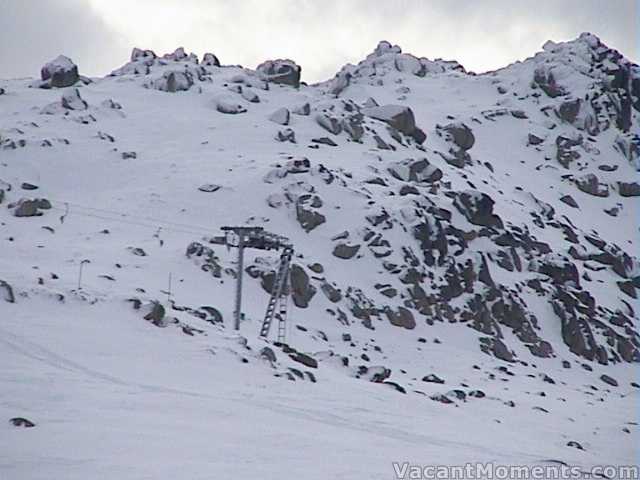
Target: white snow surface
{"x": 114, "y": 396}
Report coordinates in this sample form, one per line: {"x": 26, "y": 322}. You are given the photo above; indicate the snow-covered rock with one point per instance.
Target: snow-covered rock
{"x": 59, "y": 72}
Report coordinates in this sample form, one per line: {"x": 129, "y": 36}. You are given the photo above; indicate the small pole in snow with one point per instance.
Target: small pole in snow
{"x": 169, "y": 290}
{"x": 80, "y": 273}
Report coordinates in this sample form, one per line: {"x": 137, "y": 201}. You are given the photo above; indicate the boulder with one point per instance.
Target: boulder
{"x": 280, "y": 116}
{"x": 73, "y": 101}
{"x": 30, "y": 207}
{"x": 477, "y": 207}
{"x": 399, "y": 117}
{"x": 432, "y": 378}
{"x": 174, "y": 81}
{"x": 284, "y": 72}
{"x": 286, "y": 135}
{"x": 590, "y": 184}
{"x": 401, "y": 318}
{"x": 411, "y": 170}
{"x": 209, "y": 187}
{"x": 60, "y": 72}
{"x": 461, "y": 135}
{"x": 629, "y": 189}
{"x": 301, "y": 289}
{"x": 228, "y": 106}
{"x": 345, "y": 251}
{"x": 569, "y": 200}
{"x": 304, "y": 109}
{"x": 330, "y": 124}
{"x": 306, "y": 214}
{"x": 353, "y": 126}
{"x": 249, "y": 95}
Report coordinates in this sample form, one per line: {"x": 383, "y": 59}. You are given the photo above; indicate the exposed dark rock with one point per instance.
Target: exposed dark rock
{"x": 306, "y": 213}
{"x": 301, "y": 289}
{"x": 304, "y": 359}
{"x": 575, "y": 444}
{"x": 30, "y": 207}
{"x": 156, "y": 314}
{"x": 591, "y": 184}
{"x": 401, "y": 318}
{"x": 268, "y": 354}
{"x": 569, "y": 200}
{"x": 332, "y": 293}
{"x": 461, "y": 135}
{"x": 210, "y": 60}
{"x": 397, "y": 387}
{"x": 209, "y": 187}
{"x": 286, "y": 135}
{"x": 6, "y": 292}
{"x": 477, "y": 207}
{"x": 375, "y": 374}
{"x": 21, "y": 422}
{"x": 432, "y": 378}
{"x": 565, "y": 152}
{"x": 609, "y": 380}
{"x": 411, "y": 170}
{"x": 345, "y": 251}
{"x": 60, "y": 72}
{"x": 330, "y": 124}
{"x": 324, "y": 141}
{"x": 534, "y": 139}
{"x": 629, "y": 189}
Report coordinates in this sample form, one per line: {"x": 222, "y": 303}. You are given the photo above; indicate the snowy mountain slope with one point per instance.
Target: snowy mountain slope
{"x": 486, "y": 254}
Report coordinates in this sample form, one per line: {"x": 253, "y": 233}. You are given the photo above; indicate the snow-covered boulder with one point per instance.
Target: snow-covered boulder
{"x": 285, "y": 72}
{"x": 174, "y": 81}
{"x": 73, "y": 101}
{"x": 461, "y": 135}
{"x": 227, "y": 105}
{"x": 400, "y": 117}
{"x": 411, "y": 170}
{"x": 59, "y": 72}
{"x": 280, "y": 116}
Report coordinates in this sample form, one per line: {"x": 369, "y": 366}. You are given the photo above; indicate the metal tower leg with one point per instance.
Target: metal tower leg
{"x": 238, "y": 307}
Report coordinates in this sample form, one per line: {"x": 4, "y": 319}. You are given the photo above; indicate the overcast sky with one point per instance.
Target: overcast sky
{"x": 320, "y": 35}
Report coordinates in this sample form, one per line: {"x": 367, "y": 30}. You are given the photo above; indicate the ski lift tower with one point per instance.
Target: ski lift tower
{"x": 257, "y": 237}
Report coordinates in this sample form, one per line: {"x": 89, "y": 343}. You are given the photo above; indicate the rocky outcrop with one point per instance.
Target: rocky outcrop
{"x": 477, "y": 207}
{"x": 284, "y": 72}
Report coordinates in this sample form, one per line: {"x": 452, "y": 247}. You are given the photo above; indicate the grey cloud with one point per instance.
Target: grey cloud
{"x": 320, "y": 35}
{"x": 33, "y": 32}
